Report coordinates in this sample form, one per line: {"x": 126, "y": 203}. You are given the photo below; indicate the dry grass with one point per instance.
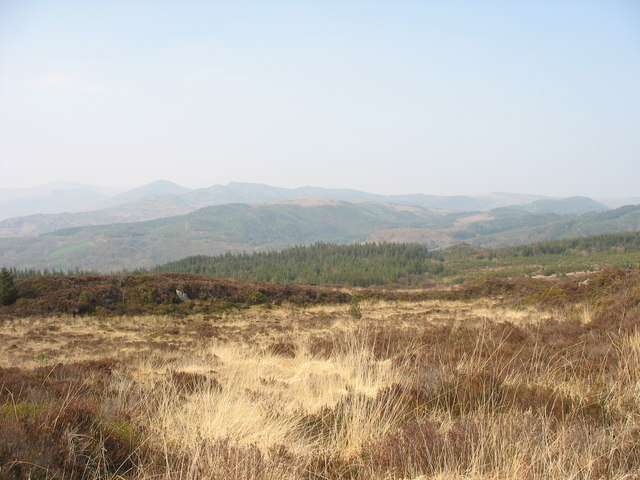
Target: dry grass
{"x": 431, "y": 389}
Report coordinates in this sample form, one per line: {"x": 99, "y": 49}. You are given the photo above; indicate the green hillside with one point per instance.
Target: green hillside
{"x": 621, "y": 219}
{"x": 210, "y": 231}
{"x": 240, "y": 228}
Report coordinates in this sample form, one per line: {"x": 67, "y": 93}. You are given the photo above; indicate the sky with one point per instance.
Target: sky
{"x": 441, "y": 97}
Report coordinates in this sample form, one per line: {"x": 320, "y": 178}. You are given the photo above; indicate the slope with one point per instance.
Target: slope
{"x": 241, "y": 227}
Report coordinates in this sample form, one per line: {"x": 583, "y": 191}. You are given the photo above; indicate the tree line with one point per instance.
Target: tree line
{"x": 622, "y": 242}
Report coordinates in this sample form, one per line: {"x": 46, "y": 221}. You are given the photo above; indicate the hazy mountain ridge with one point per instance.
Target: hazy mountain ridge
{"x": 92, "y": 205}
{"x": 69, "y": 200}
{"x": 157, "y": 189}
{"x": 54, "y": 197}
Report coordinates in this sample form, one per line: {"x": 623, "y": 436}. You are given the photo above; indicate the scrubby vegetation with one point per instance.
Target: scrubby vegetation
{"x": 558, "y": 257}
{"x": 177, "y": 293}
{"x": 186, "y": 294}
{"x": 442, "y": 389}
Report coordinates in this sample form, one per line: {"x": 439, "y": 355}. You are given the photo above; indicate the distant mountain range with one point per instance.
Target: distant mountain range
{"x": 52, "y": 198}
{"x": 58, "y": 206}
{"x": 239, "y": 227}
{"x": 162, "y": 221}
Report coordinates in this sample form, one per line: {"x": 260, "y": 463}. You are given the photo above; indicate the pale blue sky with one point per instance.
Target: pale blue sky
{"x": 444, "y": 97}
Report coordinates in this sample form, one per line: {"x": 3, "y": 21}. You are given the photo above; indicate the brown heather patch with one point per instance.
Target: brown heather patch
{"x": 615, "y": 294}
{"x": 607, "y": 297}
{"x": 156, "y": 294}
{"x": 53, "y": 424}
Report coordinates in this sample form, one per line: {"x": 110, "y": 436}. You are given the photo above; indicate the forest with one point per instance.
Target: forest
{"x": 409, "y": 264}
{"x": 401, "y": 264}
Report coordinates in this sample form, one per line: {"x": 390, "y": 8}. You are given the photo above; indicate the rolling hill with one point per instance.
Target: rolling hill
{"x": 242, "y": 227}
{"x": 163, "y": 199}
{"x": 623, "y": 219}
{"x": 211, "y": 230}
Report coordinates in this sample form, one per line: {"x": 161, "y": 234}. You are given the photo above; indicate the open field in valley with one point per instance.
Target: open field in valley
{"x": 442, "y": 389}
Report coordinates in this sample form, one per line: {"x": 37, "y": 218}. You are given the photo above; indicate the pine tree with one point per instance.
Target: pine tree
{"x": 8, "y": 290}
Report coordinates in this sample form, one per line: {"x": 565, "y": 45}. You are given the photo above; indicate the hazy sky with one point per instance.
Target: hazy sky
{"x": 399, "y": 96}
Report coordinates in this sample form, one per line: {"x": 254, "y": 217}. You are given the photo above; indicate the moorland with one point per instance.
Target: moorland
{"x": 520, "y": 377}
